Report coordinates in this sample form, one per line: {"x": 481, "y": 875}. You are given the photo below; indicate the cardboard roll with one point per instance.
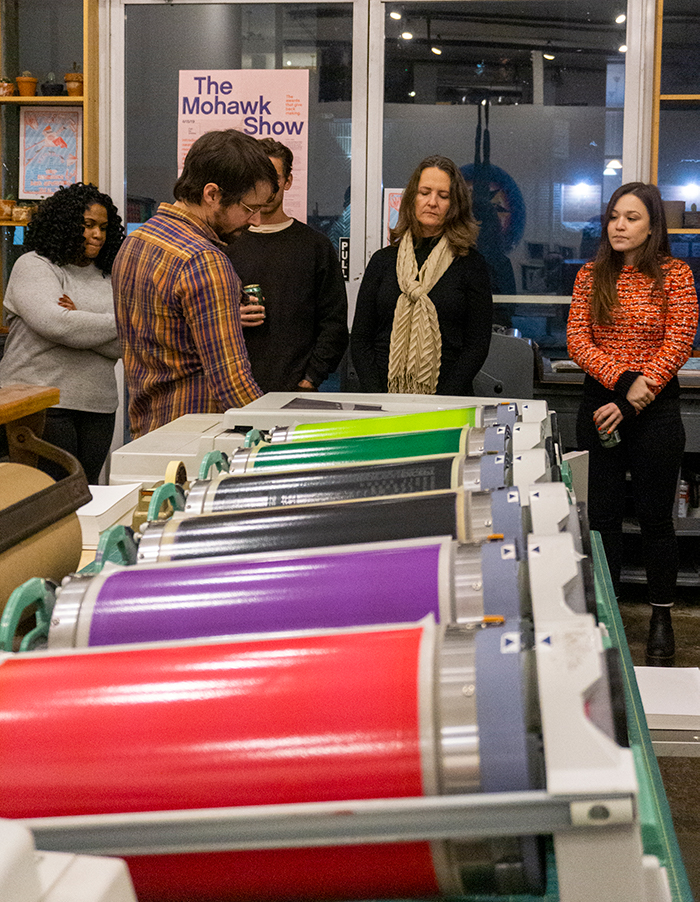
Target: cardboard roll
{"x": 52, "y": 552}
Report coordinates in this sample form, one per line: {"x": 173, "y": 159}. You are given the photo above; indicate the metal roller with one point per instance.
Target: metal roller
{"x": 486, "y": 415}
{"x": 388, "y": 582}
{"x": 468, "y": 517}
{"x": 364, "y": 449}
{"x": 378, "y": 714}
{"x": 281, "y": 489}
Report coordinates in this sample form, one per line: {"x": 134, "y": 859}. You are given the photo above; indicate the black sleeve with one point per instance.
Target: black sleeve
{"x": 365, "y": 327}
{"x": 331, "y": 316}
{"x": 622, "y": 386}
{"x": 476, "y": 334}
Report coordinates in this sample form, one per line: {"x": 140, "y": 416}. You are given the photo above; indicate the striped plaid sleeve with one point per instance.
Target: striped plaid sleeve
{"x": 210, "y": 292}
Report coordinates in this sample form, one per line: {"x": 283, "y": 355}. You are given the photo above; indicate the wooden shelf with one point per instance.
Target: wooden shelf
{"x": 686, "y": 98}
{"x": 28, "y": 101}
{"x": 17, "y": 401}
{"x": 684, "y": 231}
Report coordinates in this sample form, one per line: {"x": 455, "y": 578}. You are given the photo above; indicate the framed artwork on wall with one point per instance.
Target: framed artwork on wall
{"x": 50, "y": 149}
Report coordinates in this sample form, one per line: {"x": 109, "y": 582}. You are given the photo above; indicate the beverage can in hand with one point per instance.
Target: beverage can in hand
{"x": 252, "y": 294}
{"x": 608, "y": 439}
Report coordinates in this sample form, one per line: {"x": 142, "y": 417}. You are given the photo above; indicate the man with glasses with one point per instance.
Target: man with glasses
{"x": 300, "y": 334}
{"x": 176, "y": 294}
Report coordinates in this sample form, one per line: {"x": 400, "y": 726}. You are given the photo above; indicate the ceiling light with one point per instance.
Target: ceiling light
{"x": 609, "y": 171}
{"x": 395, "y": 15}
{"x": 411, "y": 93}
{"x": 436, "y": 51}
{"x": 407, "y": 35}
{"x": 622, "y": 48}
{"x": 614, "y": 164}
{"x": 548, "y": 56}
{"x": 621, "y": 18}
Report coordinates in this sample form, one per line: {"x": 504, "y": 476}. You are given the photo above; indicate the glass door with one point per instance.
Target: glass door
{"x": 527, "y": 98}
{"x": 160, "y": 39}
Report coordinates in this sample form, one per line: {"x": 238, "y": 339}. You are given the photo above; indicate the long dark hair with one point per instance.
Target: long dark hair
{"x": 461, "y": 227}
{"x": 608, "y": 263}
{"x": 56, "y": 230}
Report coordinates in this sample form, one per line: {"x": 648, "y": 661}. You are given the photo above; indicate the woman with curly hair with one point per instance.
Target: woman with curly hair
{"x": 60, "y": 314}
{"x": 423, "y": 318}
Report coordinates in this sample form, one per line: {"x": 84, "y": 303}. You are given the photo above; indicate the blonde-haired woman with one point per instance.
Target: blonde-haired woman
{"x": 424, "y": 310}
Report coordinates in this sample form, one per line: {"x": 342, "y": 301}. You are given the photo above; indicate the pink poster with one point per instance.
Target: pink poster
{"x": 392, "y": 202}
{"x": 264, "y": 103}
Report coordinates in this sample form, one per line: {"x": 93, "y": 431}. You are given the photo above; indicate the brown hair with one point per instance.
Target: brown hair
{"x": 608, "y": 263}
{"x": 461, "y": 228}
{"x": 280, "y": 152}
{"x": 230, "y": 159}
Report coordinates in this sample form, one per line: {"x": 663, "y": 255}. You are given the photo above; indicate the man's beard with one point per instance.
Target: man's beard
{"x": 228, "y": 237}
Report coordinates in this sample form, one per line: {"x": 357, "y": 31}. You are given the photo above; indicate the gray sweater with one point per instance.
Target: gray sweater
{"x": 74, "y": 350}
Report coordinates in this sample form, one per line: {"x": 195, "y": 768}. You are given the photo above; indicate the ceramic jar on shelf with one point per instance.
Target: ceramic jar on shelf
{"x": 26, "y": 84}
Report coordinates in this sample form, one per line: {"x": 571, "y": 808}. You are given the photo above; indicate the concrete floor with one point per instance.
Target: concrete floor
{"x": 681, "y": 776}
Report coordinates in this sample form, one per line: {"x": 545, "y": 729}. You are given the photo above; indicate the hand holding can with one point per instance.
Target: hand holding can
{"x": 252, "y": 306}
{"x": 252, "y": 294}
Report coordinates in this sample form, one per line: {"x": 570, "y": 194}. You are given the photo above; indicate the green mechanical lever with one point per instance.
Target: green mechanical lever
{"x": 213, "y": 459}
{"x": 36, "y": 593}
{"x": 167, "y": 493}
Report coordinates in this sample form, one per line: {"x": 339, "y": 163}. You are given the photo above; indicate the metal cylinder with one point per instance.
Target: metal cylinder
{"x": 364, "y": 449}
{"x": 262, "y": 489}
{"x": 384, "y": 713}
{"x": 385, "y": 425}
{"x": 465, "y": 516}
{"x": 354, "y": 585}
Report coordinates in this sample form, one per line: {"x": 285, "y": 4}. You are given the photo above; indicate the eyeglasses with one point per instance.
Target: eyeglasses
{"x": 252, "y": 210}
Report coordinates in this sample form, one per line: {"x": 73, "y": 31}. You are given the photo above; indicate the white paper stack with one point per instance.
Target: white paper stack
{"x": 671, "y": 697}
{"x": 111, "y": 504}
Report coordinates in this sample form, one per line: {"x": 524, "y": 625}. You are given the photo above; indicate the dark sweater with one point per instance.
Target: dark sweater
{"x": 305, "y": 332}
{"x": 464, "y": 305}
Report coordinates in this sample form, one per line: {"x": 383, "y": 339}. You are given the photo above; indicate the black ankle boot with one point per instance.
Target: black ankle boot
{"x": 661, "y": 645}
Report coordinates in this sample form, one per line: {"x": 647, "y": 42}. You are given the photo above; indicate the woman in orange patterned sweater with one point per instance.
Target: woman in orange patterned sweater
{"x": 633, "y": 318}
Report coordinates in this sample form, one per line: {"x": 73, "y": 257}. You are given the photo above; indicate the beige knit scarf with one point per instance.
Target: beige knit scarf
{"x": 416, "y": 346}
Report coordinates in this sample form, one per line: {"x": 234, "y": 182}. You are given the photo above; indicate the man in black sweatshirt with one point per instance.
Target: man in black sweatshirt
{"x": 300, "y": 334}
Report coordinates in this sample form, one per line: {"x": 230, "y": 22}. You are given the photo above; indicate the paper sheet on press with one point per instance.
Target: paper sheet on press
{"x": 671, "y": 697}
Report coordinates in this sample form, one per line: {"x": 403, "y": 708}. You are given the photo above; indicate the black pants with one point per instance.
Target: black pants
{"x": 85, "y": 435}
{"x": 651, "y": 450}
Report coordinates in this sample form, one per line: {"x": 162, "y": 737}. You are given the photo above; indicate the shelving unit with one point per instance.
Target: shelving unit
{"x": 88, "y": 102}
{"x": 669, "y": 13}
